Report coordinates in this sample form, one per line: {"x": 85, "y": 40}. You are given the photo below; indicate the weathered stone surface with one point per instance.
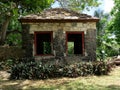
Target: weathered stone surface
{"x": 7, "y": 52}
{"x": 60, "y": 21}
{"x": 59, "y": 13}
{"x": 63, "y": 26}
{"x": 68, "y": 60}
{"x": 90, "y": 44}
{"x": 59, "y": 37}
{"x": 27, "y": 41}
{"x": 59, "y": 43}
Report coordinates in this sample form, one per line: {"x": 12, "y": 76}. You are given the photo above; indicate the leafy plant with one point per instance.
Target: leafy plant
{"x": 107, "y": 45}
{"x": 114, "y": 25}
{"x": 78, "y": 5}
{"x": 70, "y": 47}
{"x": 12, "y": 9}
{"x": 38, "y": 70}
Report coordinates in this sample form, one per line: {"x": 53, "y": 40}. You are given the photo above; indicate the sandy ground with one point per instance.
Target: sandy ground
{"x": 4, "y": 75}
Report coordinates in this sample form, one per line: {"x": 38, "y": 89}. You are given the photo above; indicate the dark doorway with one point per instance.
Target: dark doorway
{"x": 75, "y": 43}
{"x": 43, "y": 43}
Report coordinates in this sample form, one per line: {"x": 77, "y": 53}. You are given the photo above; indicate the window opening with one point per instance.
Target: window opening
{"x": 74, "y": 43}
{"x": 43, "y": 43}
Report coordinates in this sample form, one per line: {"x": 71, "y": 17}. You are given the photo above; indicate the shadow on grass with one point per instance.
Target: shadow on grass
{"x": 79, "y": 86}
{"x": 18, "y": 85}
{"x": 114, "y": 87}
{"x": 10, "y": 85}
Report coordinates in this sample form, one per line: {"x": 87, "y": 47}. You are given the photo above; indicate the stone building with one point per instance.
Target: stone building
{"x": 59, "y": 33}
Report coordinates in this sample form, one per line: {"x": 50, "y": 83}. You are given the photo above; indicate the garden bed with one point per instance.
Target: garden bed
{"x": 38, "y": 70}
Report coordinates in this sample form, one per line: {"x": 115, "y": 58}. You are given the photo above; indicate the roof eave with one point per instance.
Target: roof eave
{"x": 56, "y": 20}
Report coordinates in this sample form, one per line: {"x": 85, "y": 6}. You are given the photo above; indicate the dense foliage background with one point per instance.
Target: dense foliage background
{"x": 10, "y": 11}
{"x": 108, "y": 28}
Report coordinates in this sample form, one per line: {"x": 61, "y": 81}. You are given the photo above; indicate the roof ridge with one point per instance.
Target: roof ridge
{"x": 59, "y": 14}
{"x": 74, "y": 13}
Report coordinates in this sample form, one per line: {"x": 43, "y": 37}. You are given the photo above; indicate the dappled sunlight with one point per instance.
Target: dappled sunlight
{"x": 106, "y": 82}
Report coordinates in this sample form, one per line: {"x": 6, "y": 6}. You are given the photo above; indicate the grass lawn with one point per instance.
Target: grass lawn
{"x": 109, "y": 82}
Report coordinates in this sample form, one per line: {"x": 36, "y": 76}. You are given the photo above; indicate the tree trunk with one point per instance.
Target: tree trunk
{"x": 4, "y": 29}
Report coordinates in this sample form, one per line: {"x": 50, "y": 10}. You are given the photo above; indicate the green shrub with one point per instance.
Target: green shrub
{"x": 101, "y": 68}
{"x": 8, "y": 63}
{"x": 1, "y": 66}
{"x": 75, "y": 70}
{"x": 38, "y": 70}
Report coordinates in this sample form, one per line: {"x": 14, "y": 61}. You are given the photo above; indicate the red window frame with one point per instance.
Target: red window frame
{"x": 35, "y": 42}
{"x": 75, "y": 32}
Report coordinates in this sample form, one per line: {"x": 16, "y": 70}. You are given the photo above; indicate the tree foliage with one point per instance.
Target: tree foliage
{"x": 106, "y": 42}
{"x": 12, "y": 9}
{"x": 115, "y": 23}
{"x": 78, "y": 5}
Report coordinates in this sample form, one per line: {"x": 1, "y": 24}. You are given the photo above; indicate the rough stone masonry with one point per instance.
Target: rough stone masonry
{"x": 60, "y": 21}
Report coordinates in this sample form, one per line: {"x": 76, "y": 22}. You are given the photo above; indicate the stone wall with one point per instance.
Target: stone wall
{"x": 59, "y": 38}
{"x": 59, "y": 43}
{"x": 7, "y": 52}
{"x": 62, "y": 26}
{"x": 90, "y": 44}
{"x": 27, "y": 40}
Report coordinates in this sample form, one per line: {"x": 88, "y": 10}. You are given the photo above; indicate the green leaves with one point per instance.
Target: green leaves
{"x": 38, "y": 70}
{"x": 34, "y": 5}
{"x": 107, "y": 45}
{"x": 78, "y": 5}
{"x": 115, "y": 22}
{"x": 15, "y": 8}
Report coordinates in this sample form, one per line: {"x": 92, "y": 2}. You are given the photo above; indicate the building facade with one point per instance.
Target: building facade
{"x": 59, "y": 33}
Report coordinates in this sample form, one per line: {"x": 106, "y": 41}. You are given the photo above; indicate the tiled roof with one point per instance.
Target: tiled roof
{"x": 58, "y": 14}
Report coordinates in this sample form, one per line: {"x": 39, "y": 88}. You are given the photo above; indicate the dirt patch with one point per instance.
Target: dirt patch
{"x": 4, "y": 75}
